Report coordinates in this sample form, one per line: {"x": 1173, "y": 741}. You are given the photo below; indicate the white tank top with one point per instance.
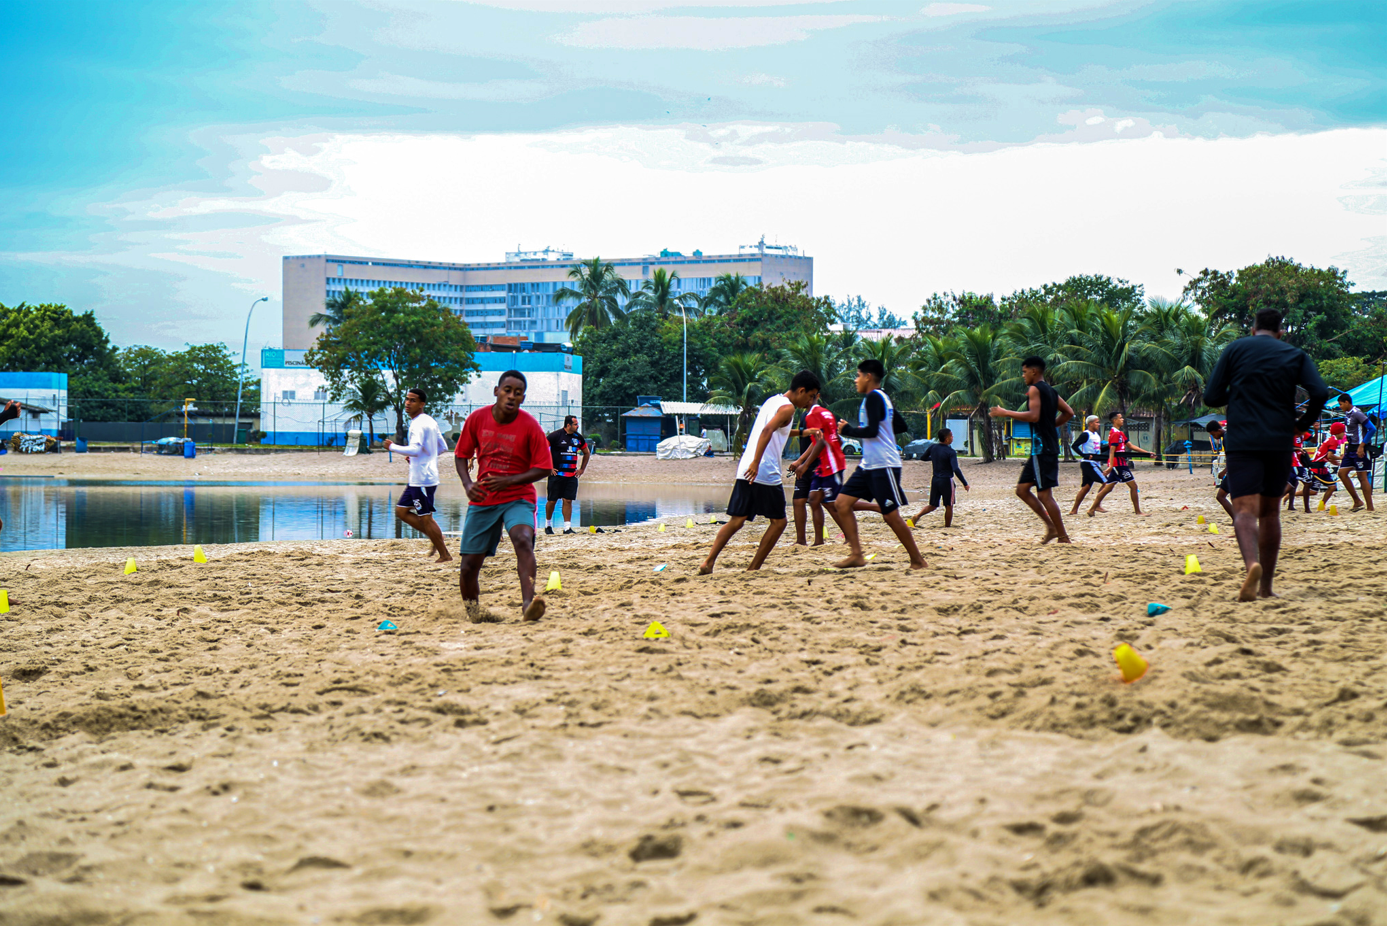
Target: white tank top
{"x": 880, "y": 452}
{"x": 769, "y": 472}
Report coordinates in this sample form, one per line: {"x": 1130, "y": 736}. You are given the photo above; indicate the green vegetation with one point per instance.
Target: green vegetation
{"x": 599, "y": 292}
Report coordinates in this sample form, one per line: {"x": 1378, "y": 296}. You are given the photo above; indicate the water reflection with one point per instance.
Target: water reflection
{"x": 70, "y": 513}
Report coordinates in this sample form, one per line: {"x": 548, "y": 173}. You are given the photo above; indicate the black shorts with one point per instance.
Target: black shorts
{"x": 830, "y": 486}
{"x": 1049, "y": 475}
{"x": 1092, "y": 472}
{"x": 418, "y": 499}
{"x": 750, "y": 499}
{"x": 1258, "y": 473}
{"x": 1223, "y": 484}
{"x": 1359, "y": 463}
{"x": 562, "y": 487}
{"x": 802, "y": 486}
{"x": 941, "y": 490}
{"x": 882, "y": 486}
{"x": 1122, "y": 472}
{"x": 1319, "y": 480}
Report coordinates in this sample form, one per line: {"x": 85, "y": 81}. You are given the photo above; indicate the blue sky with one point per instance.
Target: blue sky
{"x": 162, "y": 156}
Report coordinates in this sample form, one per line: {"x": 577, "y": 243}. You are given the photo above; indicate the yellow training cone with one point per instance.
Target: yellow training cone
{"x": 592, "y": 528}
{"x": 909, "y": 522}
{"x": 1199, "y": 520}
{"x": 871, "y": 556}
{"x": 1213, "y": 528}
{"x": 554, "y": 584}
{"x": 2, "y": 700}
{"x": 689, "y": 523}
{"x": 1130, "y": 662}
{"x": 1192, "y": 564}
{"x": 130, "y": 566}
{"x": 4, "y": 601}
{"x": 1321, "y": 507}
{"x": 712, "y": 519}
{"x": 1333, "y": 509}
{"x": 662, "y": 528}
{"x": 656, "y": 631}
{"x": 198, "y": 555}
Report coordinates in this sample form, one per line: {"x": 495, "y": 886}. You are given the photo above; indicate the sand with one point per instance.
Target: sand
{"x": 237, "y": 742}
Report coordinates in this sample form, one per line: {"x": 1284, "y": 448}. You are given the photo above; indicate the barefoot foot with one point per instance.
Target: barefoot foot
{"x": 534, "y": 610}
{"x": 1250, "y": 582}
{"x": 851, "y": 562}
{"x": 705, "y": 569}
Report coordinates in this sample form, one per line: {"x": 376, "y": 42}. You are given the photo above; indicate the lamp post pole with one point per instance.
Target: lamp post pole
{"x": 241, "y": 371}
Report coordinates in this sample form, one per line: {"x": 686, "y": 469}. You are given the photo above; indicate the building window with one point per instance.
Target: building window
{"x": 319, "y": 395}
{"x": 339, "y": 270}
{"x": 288, "y": 395}
{"x": 563, "y": 398}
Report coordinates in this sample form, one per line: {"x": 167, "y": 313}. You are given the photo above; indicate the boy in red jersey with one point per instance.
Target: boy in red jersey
{"x": 1321, "y": 476}
{"x": 827, "y": 460}
{"x": 1120, "y": 465}
{"x": 512, "y": 455}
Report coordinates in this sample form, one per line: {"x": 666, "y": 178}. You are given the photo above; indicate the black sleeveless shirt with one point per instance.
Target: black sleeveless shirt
{"x": 1047, "y": 438}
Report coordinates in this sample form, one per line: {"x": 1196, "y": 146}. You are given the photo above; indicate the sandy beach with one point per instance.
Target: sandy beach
{"x": 238, "y": 742}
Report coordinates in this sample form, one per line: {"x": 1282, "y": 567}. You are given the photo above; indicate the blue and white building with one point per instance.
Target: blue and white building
{"x": 44, "y": 397}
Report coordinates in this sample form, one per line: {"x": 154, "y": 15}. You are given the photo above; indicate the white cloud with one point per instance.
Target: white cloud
{"x": 761, "y": 80}
{"x": 492, "y": 91}
{"x": 953, "y": 9}
{"x": 702, "y": 33}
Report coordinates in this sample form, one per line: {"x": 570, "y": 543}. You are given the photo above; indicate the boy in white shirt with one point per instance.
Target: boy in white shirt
{"x": 426, "y": 442}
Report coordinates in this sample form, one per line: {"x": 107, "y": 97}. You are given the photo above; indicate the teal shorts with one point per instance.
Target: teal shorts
{"x": 481, "y": 529}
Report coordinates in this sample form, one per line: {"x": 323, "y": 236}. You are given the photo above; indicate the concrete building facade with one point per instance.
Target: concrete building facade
{"x": 514, "y": 296}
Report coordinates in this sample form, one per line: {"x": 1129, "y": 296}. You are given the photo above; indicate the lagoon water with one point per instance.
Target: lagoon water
{"x": 43, "y": 514}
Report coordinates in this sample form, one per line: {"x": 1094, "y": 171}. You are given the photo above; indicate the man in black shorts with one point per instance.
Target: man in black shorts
{"x": 1356, "y": 457}
{"x": 1256, "y": 378}
{"x": 565, "y": 445}
{"x": 1046, "y": 412}
{"x": 941, "y": 486}
{"x": 1215, "y": 429}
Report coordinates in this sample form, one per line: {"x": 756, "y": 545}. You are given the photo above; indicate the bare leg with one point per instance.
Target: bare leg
{"x": 1222, "y": 497}
{"x": 1078, "y": 499}
{"x": 1257, "y": 524}
{"x": 848, "y": 522}
{"x": 1268, "y": 543}
{"x": 800, "y": 506}
{"x": 426, "y": 525}
{"x": 1098, "y": 499}
{"x": 1136, "y": 498}
{"x": 768, "y": 542}
{"x": 1023, "y": 492}
{"x": 568, "y": 511}
{"x": 816, "y": 513}
{"x": 948, "y": 515}
{"x": 1353, "y": 493}
{"x": 471, "y": 588}
{"x": 1052, "y": 509}
{"x": 522, "y": 537}
{"x": 906, "y": 537}
{"x": 549, "y": 510}
{"x": 724, "y": 534}
{"x": 1305, "y": 493}
{"x": 922, "y": 512}
{"x": 1365, "y": 480}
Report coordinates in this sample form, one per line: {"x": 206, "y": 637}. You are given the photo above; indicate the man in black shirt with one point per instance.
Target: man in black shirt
{"x": 1042, "y": 470}
{"x": 941, "y": 487}
{"x": 1256, "y": 378}
{"x": 564, "y": 446}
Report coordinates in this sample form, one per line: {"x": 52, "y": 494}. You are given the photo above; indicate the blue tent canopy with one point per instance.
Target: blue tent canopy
{"x": 1370, "y": 394}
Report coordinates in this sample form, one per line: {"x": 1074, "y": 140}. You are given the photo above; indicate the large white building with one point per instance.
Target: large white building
{"x": 514, "y": 296}
{"x": 295, "y": 409}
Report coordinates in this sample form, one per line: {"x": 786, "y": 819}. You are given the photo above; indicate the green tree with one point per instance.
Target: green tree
{"x": 1366, "y": 336}
{"x": 724, "y": 293}
{"x": 856, "y": 314}
{"x": 978, "y": 372}
{"x": 1111, "y": 363}
{"x": 642, "y": 354}
{"x": 1316, "y": 305}
{"x": 206, "y": 372}
{"x": 599, "y": 291}
{"x": 942, "y": 312}
{"x": 767, "y": 319}
{"x": 335, "y": 308}
{"x": 1348, "y": 372}
{"x": 743, "y": 380}
{"x": 657, "y": 295}
{"x": 367, "y": 398}
{"x": 405, "y": 335}
{"x": 1185, "y": 346}
{"x": 823, "y": 356}
{"x": 51, "y": 338}
{"x": 1103, "y": 290}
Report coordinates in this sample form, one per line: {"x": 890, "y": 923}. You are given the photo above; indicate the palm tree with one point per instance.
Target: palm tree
{"x": 1044, "y": 331}
{"x": 820, "y": 355}
{"x": 599, "y": 292}
{"x": 367, "y": 399}
{"x": 976, "y": 373}
{"x": 741, "y": 380}
{"x": 723, "y": 293}
{"x": 657, "y": 295}
{"x": 925, "y": 366}
{"x": 1112, "y": 361}
{"x": 336, "y": 307}
{"x": 1185, "y": 346}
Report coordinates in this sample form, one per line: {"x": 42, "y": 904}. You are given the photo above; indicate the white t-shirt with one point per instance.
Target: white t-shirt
{"x": 769, "y": 472}
{"x": 425, "y": 444}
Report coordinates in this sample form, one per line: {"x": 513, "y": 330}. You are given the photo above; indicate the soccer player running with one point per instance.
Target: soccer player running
{"x": 1046, "y": 412}
{"x": 1326, "y": 455}
{"x": 426, "y": 442}
{"x": 1256, "y": 378}
{"x": 1356, "y": 458}
{"x": 512, "y": 455}
{"x": 941, "y": 486}
{"x": 1089, "y": 447}
{"x": 565, "y": 445}
{"x": 823, "y": 465}
{"x": 878, "y": 476}
{"x": 1217, "y": 432}
{"x": 757, "y": 490}
{"x": 1119, "y": 465}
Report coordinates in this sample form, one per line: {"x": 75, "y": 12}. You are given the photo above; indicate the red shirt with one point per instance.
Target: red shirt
{"x": 1117, "y": 443}
{"x": 1327, "y": 446}
{"x": 1299, "y": 442}
{"x": 504, "y": 450}
{"x": 831, "y": 458}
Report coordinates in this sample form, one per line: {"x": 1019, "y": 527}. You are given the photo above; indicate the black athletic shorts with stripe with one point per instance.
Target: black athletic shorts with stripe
{"x": 883, "y": 486}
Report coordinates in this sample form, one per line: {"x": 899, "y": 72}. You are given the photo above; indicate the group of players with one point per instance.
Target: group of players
{"x": 1256, "y": 378}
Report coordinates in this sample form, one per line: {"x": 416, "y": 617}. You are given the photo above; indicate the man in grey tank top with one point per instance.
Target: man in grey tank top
{"x": 1046, "y": 412}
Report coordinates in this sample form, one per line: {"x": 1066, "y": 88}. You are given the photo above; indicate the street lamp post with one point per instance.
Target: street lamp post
{"x": 241, "y": 372}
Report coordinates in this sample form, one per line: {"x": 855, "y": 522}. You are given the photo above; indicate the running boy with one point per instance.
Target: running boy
{"x": 1326, "y": 455}
{"x": 941, "y": 486}
{"x": 1119, "y": 465}
{"x": 1356, "y": 459}
{"x": 1089, "y": 446}
{"x": 1216, "y": 431}
{"x": 512, "y": 455}
{"x": 1046, "y": 412}
{"x": 757, "y": 490}
{"x": 426, "y": 442}
{"x": 878, "y": 476}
